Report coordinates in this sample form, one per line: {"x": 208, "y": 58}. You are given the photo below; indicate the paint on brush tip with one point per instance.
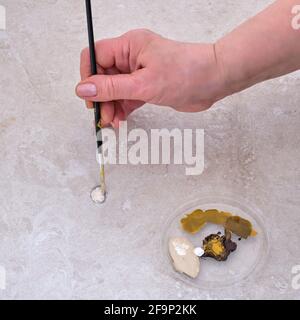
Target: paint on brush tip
{"x": 97, "y": 195}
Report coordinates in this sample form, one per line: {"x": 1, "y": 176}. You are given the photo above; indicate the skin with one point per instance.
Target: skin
{"x": 142, "y": 67}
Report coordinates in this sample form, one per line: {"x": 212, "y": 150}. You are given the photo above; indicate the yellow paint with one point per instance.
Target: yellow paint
{"x": 195, "y": 221}
{"x": 102, "y": 180}
{"x": 215, "y": 247}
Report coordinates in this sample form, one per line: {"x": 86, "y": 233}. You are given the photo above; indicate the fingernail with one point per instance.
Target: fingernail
{"x": 87, "y": 90}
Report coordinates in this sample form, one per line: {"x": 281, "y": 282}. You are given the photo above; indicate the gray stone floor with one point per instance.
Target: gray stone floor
{"x": 55, "y": 243}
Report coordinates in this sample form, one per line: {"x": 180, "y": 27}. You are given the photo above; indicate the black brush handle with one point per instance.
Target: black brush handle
{"x": 97, "y": 105}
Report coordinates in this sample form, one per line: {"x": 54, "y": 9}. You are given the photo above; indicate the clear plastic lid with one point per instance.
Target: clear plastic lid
{"x": 242, "y": 264}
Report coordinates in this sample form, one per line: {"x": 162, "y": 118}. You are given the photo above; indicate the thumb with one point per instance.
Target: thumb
{"x": 112, "y": 87}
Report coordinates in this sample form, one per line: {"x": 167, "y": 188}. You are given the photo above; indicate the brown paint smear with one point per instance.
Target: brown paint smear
{"x": 195, "y": 221}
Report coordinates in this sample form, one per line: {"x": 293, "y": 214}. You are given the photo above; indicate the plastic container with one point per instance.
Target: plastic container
{"x": 241, "y": 265}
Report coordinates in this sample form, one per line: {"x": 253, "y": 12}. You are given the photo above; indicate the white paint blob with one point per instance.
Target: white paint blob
{"x": 199, "y": 252}
{"x": 181, "y": 248}
{"x": 97, "y": 195}
{"x": 184, "y": 259}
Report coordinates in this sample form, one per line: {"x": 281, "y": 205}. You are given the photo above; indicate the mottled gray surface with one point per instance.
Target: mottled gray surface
{"x": 54, "y": 242}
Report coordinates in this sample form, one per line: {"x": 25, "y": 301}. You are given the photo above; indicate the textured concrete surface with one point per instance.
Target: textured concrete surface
{"x": 55, "y": 243}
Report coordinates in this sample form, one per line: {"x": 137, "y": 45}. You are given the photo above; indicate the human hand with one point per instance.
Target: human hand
{"x": 141, "y": 66}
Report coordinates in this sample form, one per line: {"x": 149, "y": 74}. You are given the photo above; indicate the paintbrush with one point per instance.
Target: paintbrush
{"x": 101, "y": 190}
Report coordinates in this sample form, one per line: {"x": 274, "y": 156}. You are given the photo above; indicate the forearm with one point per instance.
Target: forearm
{"x": 141, "y": 66}
{"x": 264, "y": 47}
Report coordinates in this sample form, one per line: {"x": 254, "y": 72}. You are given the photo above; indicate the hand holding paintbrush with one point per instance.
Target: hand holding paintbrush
{"x": 99, "y": 193}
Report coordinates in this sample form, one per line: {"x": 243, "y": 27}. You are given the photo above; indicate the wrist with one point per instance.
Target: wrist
{"x": 230, "y": 74}
{"x": 219, "y": 74}
{"x": 209, "y": 74}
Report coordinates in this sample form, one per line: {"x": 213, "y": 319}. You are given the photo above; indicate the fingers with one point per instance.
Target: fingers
{"x": 117, "y": 77}
{"x": 107, "y": 113}
{"x": 114, "y": 112}
{"x": 85, "y": 65}
{"x": 109, "y": 71}
{"x": 89, "y": 104}
{"x": 119, "y": 116}
{"x": 123, "y": 109}
{"x": 131, "y": 105}
{"x": 109, "y": 53}
{"x": 105, "y": 88}
{"x": 121, "y": 52}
